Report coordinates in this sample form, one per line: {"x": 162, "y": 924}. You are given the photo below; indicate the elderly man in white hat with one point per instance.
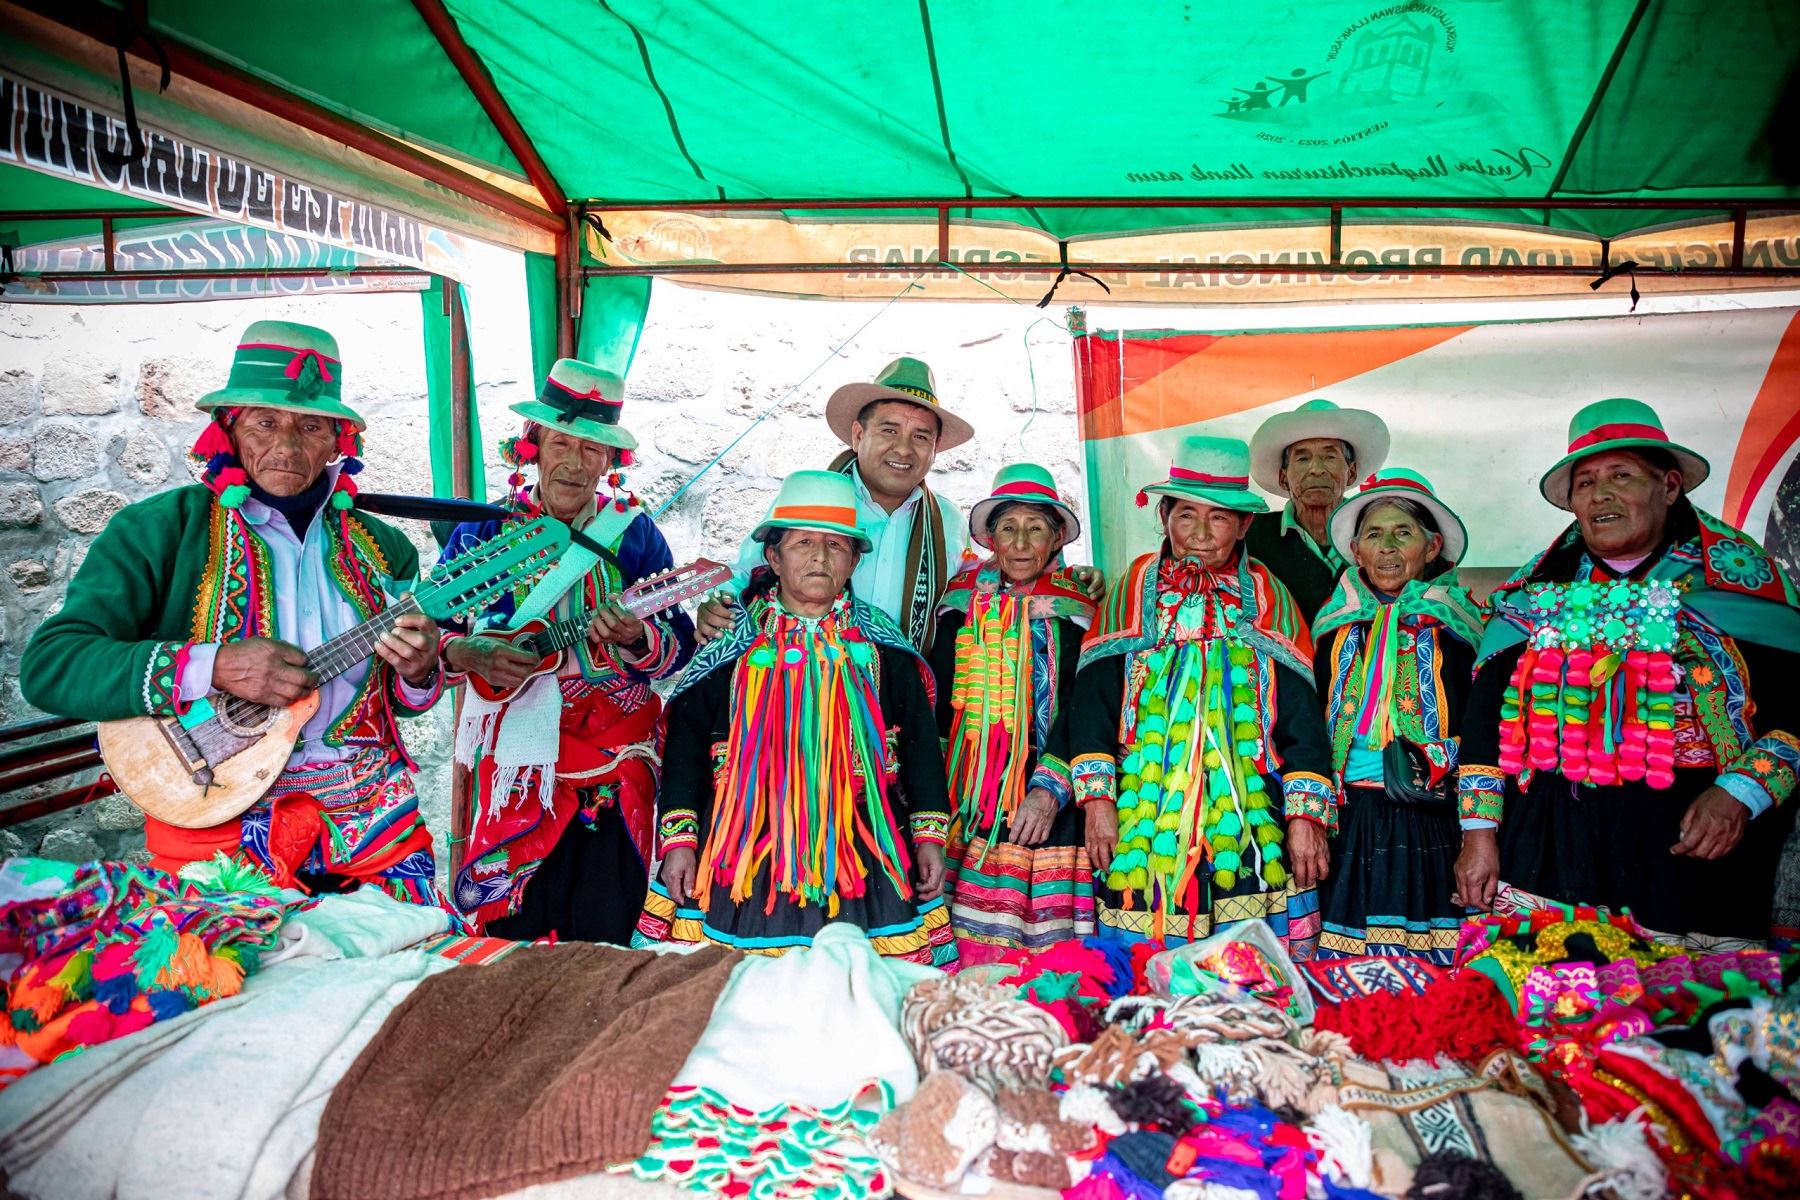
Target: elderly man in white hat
{"x": 1310, "y": 455}
{"x": 218, "y": 589}
{"x": 894, "y": 427}
{"x": 565, "y": 767}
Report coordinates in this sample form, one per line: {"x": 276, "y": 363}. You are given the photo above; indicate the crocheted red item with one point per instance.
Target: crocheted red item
{"x": 1141, "y": 954}
{"x": 1463, "y": 1016}
{"x": 1066, "y": 980}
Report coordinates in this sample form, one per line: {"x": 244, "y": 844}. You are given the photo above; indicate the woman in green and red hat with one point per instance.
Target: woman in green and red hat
{"x": 1632, "y": 732}
{"x": 1008, "y": 636}
{"x": 1194, "y": 741}
{"x": 1395, "y": 650}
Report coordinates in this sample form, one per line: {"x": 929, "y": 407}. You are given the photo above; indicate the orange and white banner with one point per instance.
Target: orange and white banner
{"x": 1482, "y": 411}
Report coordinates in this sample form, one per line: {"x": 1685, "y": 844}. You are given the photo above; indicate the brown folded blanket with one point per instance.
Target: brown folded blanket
{"x": 543, "y": 1066}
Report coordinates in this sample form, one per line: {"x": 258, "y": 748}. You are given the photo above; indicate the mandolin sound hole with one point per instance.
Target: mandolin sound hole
{"x": 246, "y": 720}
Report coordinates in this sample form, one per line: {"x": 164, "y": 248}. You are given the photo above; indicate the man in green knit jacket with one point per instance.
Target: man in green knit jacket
{"x": 218, "y": 588}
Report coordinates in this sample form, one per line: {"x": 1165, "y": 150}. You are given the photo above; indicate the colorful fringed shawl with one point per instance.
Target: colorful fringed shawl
{"x": 1004, "y": 691}
{"x": 804, "y": 788}
{"x": 1386, "y": 665}
{"x": 108, "y": 948}
{"x": 1197, "y": 716}
{"x": 1593, "y": 695}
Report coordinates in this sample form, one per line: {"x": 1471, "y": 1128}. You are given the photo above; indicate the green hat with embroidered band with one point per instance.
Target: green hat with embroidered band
{"x": 1618, "y": 424}
{"x": 1366, "y": 434}
{"x": 1210, "y": 470}
{"x": 907, "y": 380}
{"x": 1398, "y": 483}
{"x": 815, "y": 500}
{"x": 282, "y": 364}
{"x": 1026, "y": 483}
{"x": 583, "y": 400}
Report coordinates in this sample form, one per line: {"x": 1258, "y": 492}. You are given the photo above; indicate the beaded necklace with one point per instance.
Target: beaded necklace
{"x": 1593, "y": 694}
{"x": 1194, "y": 720}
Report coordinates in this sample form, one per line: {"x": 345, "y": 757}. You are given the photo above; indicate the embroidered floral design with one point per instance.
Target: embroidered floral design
{"x": 1740, "y": 564}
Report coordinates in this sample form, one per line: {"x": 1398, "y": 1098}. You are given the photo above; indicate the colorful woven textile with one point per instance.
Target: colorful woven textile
{"x": 707, "y": 1145}
{"x": 1338, "y": 980}
{"x": 108, "y": 948}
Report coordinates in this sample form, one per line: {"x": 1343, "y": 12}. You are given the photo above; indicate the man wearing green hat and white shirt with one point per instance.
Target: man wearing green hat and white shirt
{"x": 218, "y": 589}
{"x": 1632, "y": 732}
{"x": 894, "y": 427}
{"x": 1312, "y": 456}
{"x": 565, "y": 768}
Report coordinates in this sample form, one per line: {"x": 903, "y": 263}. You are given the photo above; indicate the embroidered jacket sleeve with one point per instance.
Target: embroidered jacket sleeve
{"x": 1303, "y": 749}
{"x": 100, "y": 656}
{"x": 924, "y": 791}
{"x": 696, "y": 720}
{"x": 1480, "y": 783}
{"x": 1086, "y": 734}
{"x": 669, "y": 635}
{"x": 1762, "y": 775}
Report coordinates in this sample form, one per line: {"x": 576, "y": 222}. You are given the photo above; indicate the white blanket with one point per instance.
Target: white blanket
{"x": 223, "y": 1101}
{"x": 810, "y": 1027}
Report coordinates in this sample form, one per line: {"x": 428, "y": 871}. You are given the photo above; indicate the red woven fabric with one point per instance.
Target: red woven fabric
{"x": 1463, "y": 1016}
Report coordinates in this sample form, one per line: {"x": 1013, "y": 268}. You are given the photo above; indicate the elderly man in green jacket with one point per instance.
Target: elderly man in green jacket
{"x": 209, "y": 591}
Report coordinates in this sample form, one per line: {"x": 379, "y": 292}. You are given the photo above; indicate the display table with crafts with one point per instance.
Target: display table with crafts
{"x": 212, "y": 1036}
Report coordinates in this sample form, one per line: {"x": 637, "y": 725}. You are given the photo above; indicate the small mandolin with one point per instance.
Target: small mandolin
{"x": 551, "y": 641}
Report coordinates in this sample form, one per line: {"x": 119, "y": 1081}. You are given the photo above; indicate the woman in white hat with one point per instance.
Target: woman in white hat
{"x": 1008, "y": 636}
{"x": 803, "y": 781}
{"x": 1194, "y": 726}
{"x": 1395, "y": 652}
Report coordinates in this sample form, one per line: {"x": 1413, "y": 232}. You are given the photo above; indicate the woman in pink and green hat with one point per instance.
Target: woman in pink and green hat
{"x": 1194, "y": 741}
{"x": 1632, "y": 733}
{"x": 1395, "y": 650}
{"x": 1008, "y": 636}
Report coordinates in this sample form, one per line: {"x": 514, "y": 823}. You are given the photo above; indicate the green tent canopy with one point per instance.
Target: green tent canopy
{"x": 1218, "y": 150}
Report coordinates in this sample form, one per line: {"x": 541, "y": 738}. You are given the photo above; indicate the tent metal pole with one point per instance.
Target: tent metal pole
{"x": 270, "y": 273}
{"x": 931, "y": 204}
{"x": 94, "y": 214}
{"x": 461, "y": 473}
{"x": 1043, "y": 267}
{"x": 570, "y": 280}
{"x": 462, "y": 477}
{"x": 102, "y": 24}
{"x": 481, "y": 85}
